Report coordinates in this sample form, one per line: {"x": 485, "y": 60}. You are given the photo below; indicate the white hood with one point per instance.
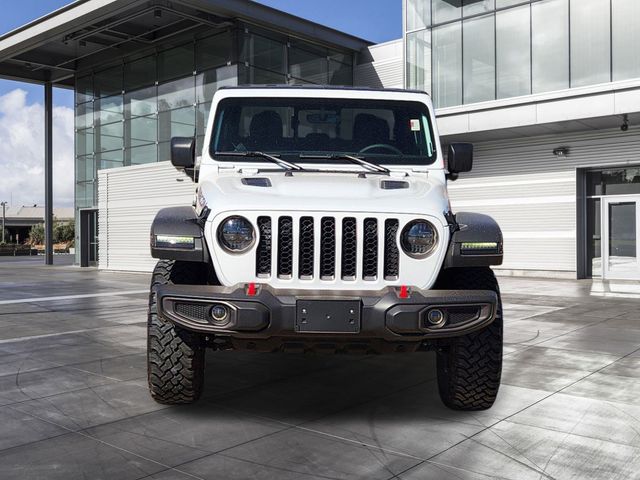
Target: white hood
{"x": 421, "y": 193}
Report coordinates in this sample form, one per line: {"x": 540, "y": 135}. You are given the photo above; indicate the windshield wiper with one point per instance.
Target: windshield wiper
{"x": 353, "y": 159}
{"x": 288, "y": 166}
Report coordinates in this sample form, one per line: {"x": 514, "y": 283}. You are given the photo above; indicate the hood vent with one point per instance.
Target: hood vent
{"x": 394, "y": 184}
{"x": 257, "y": 182}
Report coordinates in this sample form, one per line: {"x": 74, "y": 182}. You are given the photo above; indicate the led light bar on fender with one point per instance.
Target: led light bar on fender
{"x": 171, "y": 241}
{"x": 480, "y": 248}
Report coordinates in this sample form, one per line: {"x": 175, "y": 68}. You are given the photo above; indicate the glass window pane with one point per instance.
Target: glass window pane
{"x": 445, "y": 10}
{"x": 85, "y": 168}
{"x": 310, "y": 66}
{"x": 258, "y": 76}
{"x": 509, "y": 3}
{"x": 108, "y": 82}
{"x": 84, "y": 89}
{"x": 594, "y": 238}
{"x": 202, "y": 115}
{"x": 142, "y": 130}
{"x": 479, "y": 67}
{"x": 214, "y": 51}
{"x": 84, "y": 142}
{"x": 175, "y": 63}
{"x": 513, "y": 62}
{"x": 177, "y": 123}
{"x": 140, "y": 73}
{"x": 623, "y": 252}
{"x": 85, "y": 194}
{"x": 345, "y": 58}
{"x": 164, "y": 152}
{"x": 113, "y": 159}
{"x": 590, "y": 42}
{"x": 550, "y": 33}
{"x": 620, "y": 181}
{"x": 141, "y": 102}
{"x": 207, "y": 83}
{"x": 109, "y": 137}
{"x": 447, "y": 65}
{"x": 474, "y": 7}
{"x": 142, "y": 155}
{"x": 626, "y": 39}
{"x": 84, "y": 115}
{"x": 418, "y": 14}
{"x": 109, "y": 109}
{"x": 419, "y": 60}
{"x": 179, "y": 93}
{"x": 340, "y": 74}
{"x": 263, "y": 52}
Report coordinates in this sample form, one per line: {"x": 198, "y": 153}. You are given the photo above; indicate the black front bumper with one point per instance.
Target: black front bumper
{"x": 290, "y": 316}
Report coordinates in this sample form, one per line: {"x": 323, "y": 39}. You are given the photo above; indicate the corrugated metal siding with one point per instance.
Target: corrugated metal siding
{"x": 380, "y": 74}
{"x": 383, "y": 67}
{"x": 128, "y": 200}
{"x": 532, "y": 193}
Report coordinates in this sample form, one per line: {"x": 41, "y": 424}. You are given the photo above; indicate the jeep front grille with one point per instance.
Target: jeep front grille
{"x": 323, "y": 248}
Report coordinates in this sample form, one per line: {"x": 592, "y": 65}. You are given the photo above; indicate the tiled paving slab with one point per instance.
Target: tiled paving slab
{"x": 74, "y": 401}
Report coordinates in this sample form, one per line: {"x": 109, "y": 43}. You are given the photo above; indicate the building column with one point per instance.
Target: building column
{"x": 48, "y": 173}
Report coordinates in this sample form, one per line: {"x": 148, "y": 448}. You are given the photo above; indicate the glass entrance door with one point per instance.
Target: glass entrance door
{"x": 621, "y": 235}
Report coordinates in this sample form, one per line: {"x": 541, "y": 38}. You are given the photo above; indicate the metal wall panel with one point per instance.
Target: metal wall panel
{"x": 532, "y": 193}
{"x": 128, "y": 200}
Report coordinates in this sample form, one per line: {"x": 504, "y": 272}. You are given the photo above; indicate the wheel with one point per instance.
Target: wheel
{"x": 175, "y": 356}
{"x": 469, "y": 367}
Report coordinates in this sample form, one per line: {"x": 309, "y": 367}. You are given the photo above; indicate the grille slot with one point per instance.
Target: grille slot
{"x": 285, "y": 247}
{"x": 349, "y": 248}
{"x": 370, "y": 250}
{"x": 391, "y": 253}
{"x": 328, "y": 248}
{"x": 306, "y": 250}
{"x": 263, "y": 254}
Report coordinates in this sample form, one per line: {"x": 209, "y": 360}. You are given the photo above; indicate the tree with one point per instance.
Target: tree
{"x": 36, "y": 234}
{"x": 63, "y": 232}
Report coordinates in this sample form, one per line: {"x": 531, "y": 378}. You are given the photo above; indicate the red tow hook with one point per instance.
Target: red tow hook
{"x": 252, "y": 290}
{"x": 404, "y": 292}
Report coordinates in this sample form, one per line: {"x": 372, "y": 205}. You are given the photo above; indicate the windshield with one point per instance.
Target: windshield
{"x": 380, "y": 131}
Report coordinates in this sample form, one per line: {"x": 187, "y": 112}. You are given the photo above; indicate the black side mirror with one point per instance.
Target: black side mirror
{"x": 460, "y": 158}
{"x": 183, "y": 153}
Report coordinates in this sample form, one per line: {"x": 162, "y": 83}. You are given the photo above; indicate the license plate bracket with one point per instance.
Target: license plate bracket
{"x": 328, "y": 316}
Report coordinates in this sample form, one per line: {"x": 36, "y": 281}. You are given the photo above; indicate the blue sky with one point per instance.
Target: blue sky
{"x": 375, "y": 20}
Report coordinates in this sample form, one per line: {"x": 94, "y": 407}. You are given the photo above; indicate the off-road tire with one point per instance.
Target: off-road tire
{"x": 469, "y": 367}
{"x": 175, "y": 356}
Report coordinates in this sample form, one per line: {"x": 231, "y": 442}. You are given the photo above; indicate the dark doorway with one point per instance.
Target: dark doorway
{"x": 88, "y": 238}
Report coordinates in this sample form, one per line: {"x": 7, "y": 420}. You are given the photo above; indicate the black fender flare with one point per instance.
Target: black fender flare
{"x": 476, "y": 242}
{"x": 177, "y": 234}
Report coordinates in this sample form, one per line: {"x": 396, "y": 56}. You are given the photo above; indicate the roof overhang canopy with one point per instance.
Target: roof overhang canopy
{"x": 91, "y": 32}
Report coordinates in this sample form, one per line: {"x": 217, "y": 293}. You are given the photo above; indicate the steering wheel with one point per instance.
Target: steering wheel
{"x": 381, "y": 145}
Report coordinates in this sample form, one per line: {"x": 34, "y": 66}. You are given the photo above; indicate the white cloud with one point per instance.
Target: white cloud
{"x": 22, "y": 151}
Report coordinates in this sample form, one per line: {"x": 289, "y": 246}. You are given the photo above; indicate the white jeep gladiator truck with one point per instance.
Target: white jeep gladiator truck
{"x": 321, "y": 222}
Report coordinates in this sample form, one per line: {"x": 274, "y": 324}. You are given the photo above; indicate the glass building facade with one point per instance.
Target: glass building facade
{"x": 127, "y": 113}
{"x": 469, "y": 51}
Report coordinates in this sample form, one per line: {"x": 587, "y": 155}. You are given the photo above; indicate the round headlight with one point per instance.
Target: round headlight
{"x": 236, "y": 234}
{"x": 419, "y": 239}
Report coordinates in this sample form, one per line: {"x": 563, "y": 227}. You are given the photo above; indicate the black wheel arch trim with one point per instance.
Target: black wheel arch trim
{"x": 474, "y": 228}
{"x": 179, "y": 222}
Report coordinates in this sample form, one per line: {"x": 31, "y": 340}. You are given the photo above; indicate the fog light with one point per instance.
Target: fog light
{"x": 435, "y": 317}
{"x": 220, "y": 314}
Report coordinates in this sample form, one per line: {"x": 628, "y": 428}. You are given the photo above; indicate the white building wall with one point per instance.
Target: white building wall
{"x": 128, "y": 200}
{"x": 532, "y": 193}
{"x": 382, "y": 66}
